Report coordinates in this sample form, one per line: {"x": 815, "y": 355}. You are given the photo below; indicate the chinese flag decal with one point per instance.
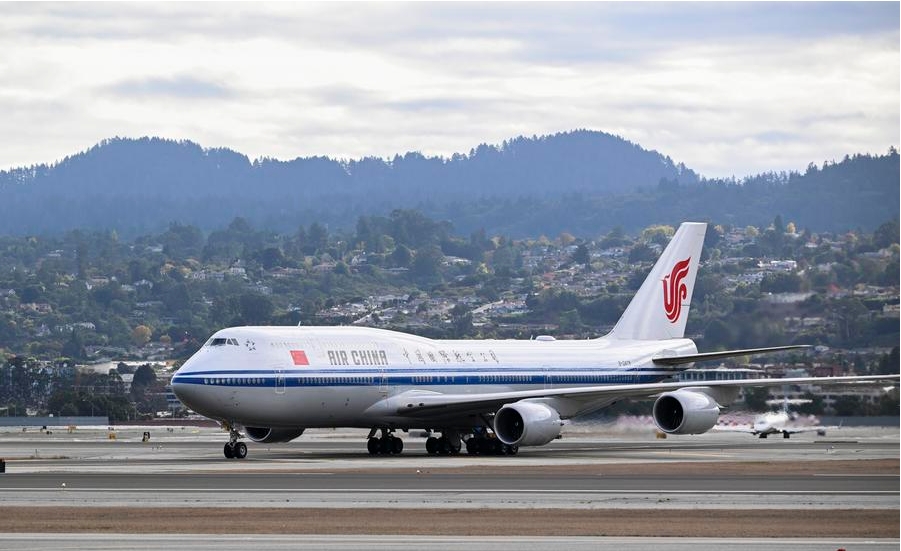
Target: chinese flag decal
{"x": 299, "y": 357}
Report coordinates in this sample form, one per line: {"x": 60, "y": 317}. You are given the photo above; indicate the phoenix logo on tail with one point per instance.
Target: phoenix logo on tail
{"x": 674, "y": 290}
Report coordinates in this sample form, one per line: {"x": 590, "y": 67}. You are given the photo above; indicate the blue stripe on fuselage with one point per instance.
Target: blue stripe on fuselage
{"x": 349, "y": 378}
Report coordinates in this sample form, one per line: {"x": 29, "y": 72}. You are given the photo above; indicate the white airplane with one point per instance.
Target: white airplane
{"x": 776, "y": 422}
{"x": 492, "y": 395}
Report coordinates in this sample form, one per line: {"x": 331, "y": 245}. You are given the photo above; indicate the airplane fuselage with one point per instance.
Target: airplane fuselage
{"x": 770, "y": 423}
{"x": 347, "y": 376}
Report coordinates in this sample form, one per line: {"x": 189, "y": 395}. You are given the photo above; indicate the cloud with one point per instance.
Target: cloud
{"x": 726, "y": 88}
{"x": 178, "y": 87}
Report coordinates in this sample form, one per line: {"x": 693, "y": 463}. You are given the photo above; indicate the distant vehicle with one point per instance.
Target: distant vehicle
{"x": 491, "y": 395}
{"x": 776, "y": 422}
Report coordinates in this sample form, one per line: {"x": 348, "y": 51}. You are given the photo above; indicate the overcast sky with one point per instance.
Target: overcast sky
{"x": 726, "y": 88}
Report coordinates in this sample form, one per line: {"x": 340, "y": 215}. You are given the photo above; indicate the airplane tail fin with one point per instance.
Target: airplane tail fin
{"x": 659, "y": 309}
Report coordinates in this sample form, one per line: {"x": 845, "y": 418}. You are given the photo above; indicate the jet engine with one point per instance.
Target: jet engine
{"x": 685, "y": 411}
{"x": 527, "y": 424}
{"x": 268, "y": 435}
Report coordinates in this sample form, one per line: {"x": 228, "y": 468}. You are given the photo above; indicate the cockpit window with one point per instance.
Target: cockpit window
{"x": 219, "y": 341}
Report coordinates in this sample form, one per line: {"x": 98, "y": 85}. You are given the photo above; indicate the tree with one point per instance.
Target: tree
{"x": 849, "y": 312}
{"x": 570, "y": 322}
{"x": 615, "y": 238}
{"x": 642, "y": 253}
{"x": 846, "y": 406}
{"x": 401, "y": 257}
{"x": 144, "y": 376}
{"x": 255, "y": 309}
{"x": 781, "y": 282}
{"x": 271, "y": 257}
{"x": 503, "y": 260}
{"x": 140, "y": 335}
{"x": 886, "y": 234}
{"x": 755, "y": 398}
{"x": 582, "y": 256}
{"x": 74, "y": 347}
{"x": 317, "y": 239}
{"x": 889, "y": 363}
{"x": 427, "y": 263}
{"x": 461, "y": 322}
{"x": 341, "y": 268}
{"x": 658, "y": 234}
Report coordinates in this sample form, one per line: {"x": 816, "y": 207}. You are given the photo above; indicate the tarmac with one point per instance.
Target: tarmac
{"x": 594, "y": 467}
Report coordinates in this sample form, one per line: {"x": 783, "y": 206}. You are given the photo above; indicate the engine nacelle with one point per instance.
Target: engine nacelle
{"x": 685, "y": 412}
{"x": 527, "y": 424}
{"x": 268, "y": 435}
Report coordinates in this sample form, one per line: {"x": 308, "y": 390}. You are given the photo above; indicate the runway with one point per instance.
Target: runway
{"x": 332, "y": 469}
{"x": 591, "y": 490}
{"x": 241, "y": 542}
{"x": 844, "y": 485}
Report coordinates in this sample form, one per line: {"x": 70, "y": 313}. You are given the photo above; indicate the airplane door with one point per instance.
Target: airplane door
{"x": 383, "y": 383}
{"x": 279, "y": 381}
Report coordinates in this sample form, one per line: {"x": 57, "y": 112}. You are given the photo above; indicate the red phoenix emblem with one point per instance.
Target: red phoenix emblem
{"x": 674, "y": 290}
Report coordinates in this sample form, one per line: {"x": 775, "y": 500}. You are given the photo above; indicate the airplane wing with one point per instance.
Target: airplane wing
{"x": 706, "y": 356}
{"x": 734, "y": 428}
{"x": 425, "y": 403}
{"x": 795, "y": 430}
{"x": 778, "y": 429}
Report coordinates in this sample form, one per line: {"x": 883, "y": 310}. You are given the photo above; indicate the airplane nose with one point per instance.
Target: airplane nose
{"x": 184, "y": 384}
{"x": 178, "y": 386}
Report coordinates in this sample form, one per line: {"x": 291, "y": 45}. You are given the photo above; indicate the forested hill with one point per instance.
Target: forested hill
{"x": 140, "y": 185}
{"x": 583, "y": 182}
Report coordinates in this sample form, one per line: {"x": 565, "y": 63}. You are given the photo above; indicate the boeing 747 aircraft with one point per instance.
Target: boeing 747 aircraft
{"x": 492, "y": 396}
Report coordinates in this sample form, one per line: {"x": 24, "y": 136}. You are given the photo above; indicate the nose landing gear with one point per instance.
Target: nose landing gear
{"x": 234, "y": 449}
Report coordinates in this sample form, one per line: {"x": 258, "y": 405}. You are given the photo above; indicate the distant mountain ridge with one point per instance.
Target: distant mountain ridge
{"x": 580, "y": 181}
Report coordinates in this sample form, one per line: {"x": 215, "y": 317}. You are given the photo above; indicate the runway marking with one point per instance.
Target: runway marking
{"x": 856, "y": 475}
{"x": 690, "y": 454}
{"x": 451, "y": 491}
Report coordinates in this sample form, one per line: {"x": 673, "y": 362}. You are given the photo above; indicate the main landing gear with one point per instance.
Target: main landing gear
{"x": 449, "y": 443}
{"x": 387, "y": 444}
{"x": 481, "y": 444}
{"x": 234, "y": 449}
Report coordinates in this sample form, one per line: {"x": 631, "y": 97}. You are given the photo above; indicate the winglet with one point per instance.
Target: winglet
{"x": 659, "y": 309}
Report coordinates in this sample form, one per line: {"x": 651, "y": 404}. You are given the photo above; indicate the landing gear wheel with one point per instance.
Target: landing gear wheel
{"x": 240, "y": 450}
{"x": 397, "y": 445}
{"x": 431, "y": 445}
{"x": 234, "y": 449}
{"x": 374, "y": 445}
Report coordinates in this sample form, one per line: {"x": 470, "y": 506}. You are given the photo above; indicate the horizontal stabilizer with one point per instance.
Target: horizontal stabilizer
{"x": 680, "y": 360}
